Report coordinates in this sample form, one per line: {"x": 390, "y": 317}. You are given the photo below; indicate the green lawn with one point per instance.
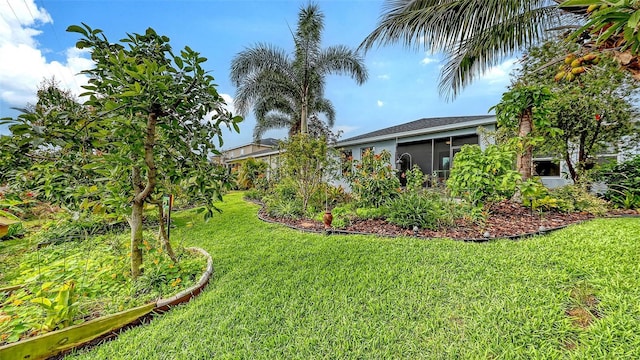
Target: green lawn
{"x": 279, "y": 293}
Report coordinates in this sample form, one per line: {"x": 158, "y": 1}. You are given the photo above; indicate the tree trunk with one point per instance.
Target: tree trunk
{"x": 572, "y": 170}
{"x": 304, "y": 128}
{"x": 142, "y": 192}
{"x": 525, "y": 157}
{"x": 135, "y": 222}
{"x": 162, "y": 235}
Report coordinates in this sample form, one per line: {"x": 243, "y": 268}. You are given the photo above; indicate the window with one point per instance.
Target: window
{"x": 346, "y": 158}
{"x": 363, "y": 150}
{"x": 543, "y": 167}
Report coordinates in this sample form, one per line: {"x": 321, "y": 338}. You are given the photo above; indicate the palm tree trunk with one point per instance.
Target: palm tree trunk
{"x": 525, "y": 157}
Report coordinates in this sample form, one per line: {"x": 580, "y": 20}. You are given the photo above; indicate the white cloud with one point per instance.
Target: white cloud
{"x": 229, "y": 100}
{"x": 500, "y": 74}
{"x": 427, "y": 60}
{"x": 383, "y": 77}
{"x": 23, "y": 65}
{"x": 345, "y": 129}
{"x": 380, "y": 103}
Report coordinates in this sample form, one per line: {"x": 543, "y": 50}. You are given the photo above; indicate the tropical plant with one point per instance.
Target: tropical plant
{"x": 426, "y": 210}
{"x": 415, "y": 179}
{"x": 623, "y": 183}
{"x": 612, "y": 26}
{"x": 372, "y": 179}
{"x": 480, "y": 176}
{"x": 284, "y": 91}
{"x": 249, "y": 172}
{"x": 591, "y": 114}
{"x": 472, "y": 38}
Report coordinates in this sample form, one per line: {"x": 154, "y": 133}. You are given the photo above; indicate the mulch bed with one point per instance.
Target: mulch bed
{"x": 506, "y": 220}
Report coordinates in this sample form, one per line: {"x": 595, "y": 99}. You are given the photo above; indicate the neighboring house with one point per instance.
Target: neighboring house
{"x": 265, "y": 150}
{"x": 429, "y": 143}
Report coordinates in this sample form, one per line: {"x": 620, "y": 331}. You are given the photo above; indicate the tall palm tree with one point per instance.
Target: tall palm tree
{"x": 284, "y": 91}
{"x": 473, "y": 35}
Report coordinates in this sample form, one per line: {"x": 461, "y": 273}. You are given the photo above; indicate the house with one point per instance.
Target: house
{"x": 429, "y": 143}
{"x": 265, "y": 149}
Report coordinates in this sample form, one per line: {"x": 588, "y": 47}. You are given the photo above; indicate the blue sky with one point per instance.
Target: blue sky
{"x": 402, "y": 85}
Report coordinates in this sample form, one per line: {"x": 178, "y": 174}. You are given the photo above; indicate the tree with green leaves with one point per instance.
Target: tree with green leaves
{"x": 593, "y": 113}
{"x": 283, "y": 90}
{"x": 150, "y": 117}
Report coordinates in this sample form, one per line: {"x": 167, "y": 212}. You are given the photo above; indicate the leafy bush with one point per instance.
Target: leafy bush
{"x": 577, "y": 198}
{"x": 427, "y": 210}
{"x": 373, "y": 180}
{"x": 570, "y": 198}
{"x": 623, "y": 183}
{"x": 415, "y": 179}
{"x": 249, "y": 172}
{"x": 282, "y": 201}
{"x": 480, "y": 176}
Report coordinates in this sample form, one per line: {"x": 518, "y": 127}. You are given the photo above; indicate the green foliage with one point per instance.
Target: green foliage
{"x": 373, "y": 180}
{"x": 66, "y": 283}
{"x": 415, "y": 179}
{"x": 426, "y": 210}
{"x": 306, "y": 164}
{"x": 249, "y": 173}
{"x": 590, "y": 115}
{"x": 623, "y": 183}
{"x": 283, "y": 200}
{"x": 61, "y": 309}
{"x": 140, "y": 132}
{"x": 577, "y": 198}
{"x": 521, "y": 98}
{"x": 610, "y": 20}
{"x": 480, "y": 176}
{"x": 569, "y": 198}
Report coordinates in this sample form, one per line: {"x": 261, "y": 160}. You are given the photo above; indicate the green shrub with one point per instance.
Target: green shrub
{"x": 570, "y": 198}
{"x": 428, "y": 210}
{"x": 249, "y": 173}
{"x": 373, "y": 180}
{"x": 574, "y": 198}
{"x": 623, "y": 183}
{"x": 480, "y": 176}
{"x": 415, "y": 179}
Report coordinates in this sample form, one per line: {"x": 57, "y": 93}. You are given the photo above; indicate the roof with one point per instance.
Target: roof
{"x": 263, "y": 142}
{"x": 256, "y": 155}
{"x": 421, "y": 126}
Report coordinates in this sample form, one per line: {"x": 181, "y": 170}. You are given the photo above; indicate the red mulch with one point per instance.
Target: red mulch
{"x": 506, "y": 219}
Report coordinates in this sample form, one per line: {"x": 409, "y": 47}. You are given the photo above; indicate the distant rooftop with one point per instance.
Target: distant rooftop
{"x": 264, "y": 142}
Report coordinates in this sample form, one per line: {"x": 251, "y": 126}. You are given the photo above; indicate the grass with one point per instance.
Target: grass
{"x": 279, "y": 293}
